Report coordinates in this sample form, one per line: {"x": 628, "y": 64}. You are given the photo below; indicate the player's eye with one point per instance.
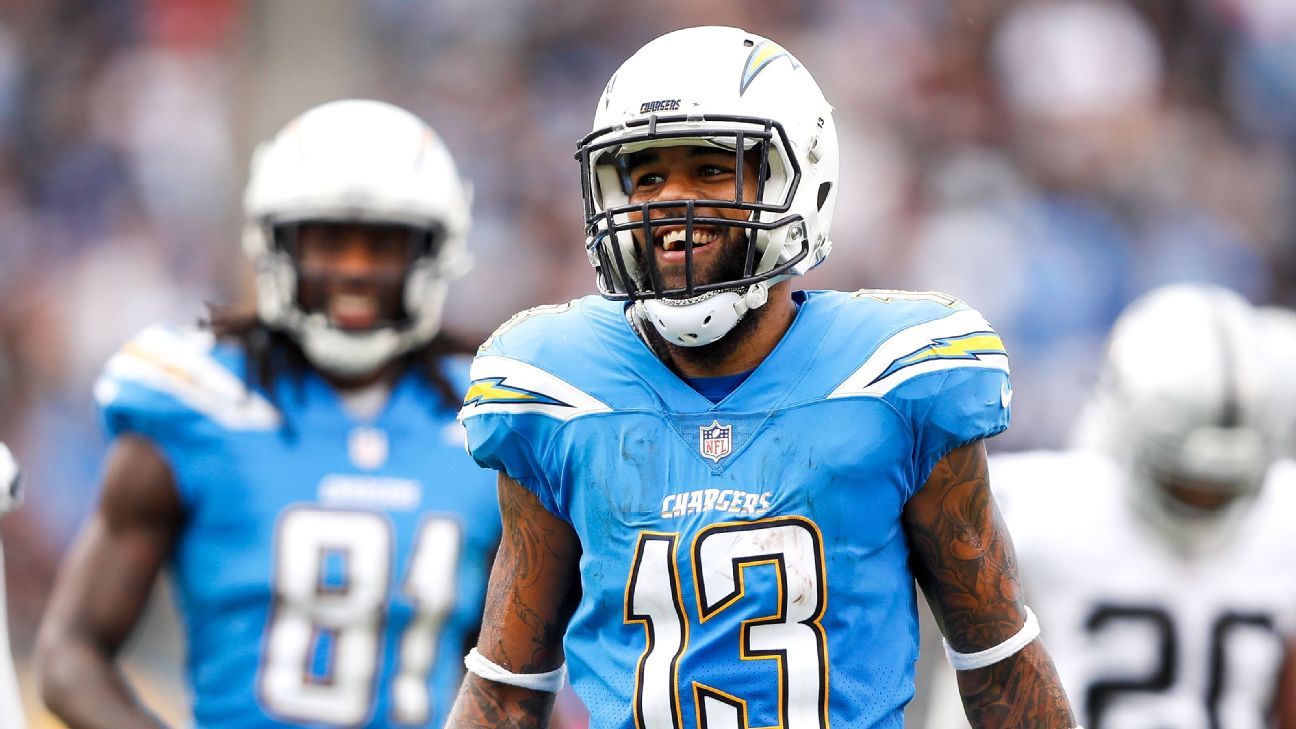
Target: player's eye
{"x": 648, "y": 179}
{"x": 714, "y": 170}
{"x": 643, "y": 183}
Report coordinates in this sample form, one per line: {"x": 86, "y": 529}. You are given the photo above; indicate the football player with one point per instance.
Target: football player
{"x": 11, "y": 714}
{"x": 1159, "y": 552}
{"x": 299, "y": 470}
{"x": 738, "y": 476}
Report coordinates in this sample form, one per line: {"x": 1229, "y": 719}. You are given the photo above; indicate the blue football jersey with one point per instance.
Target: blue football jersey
{"x": 329, "y": 569}
{"x": 744, "y": 562}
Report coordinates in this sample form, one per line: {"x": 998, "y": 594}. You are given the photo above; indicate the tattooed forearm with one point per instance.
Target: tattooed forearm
{"x": 1021, "y": 691}
{"x": 526, "y": 602}
{"x": 964, "y": 561}
{"x": 527, "y": 608}
{"x": 962, "y": 554}
{"x": 485, "y": 704}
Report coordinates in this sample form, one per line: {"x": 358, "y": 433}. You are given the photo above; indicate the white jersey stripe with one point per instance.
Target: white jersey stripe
{"x": 873, "y": 378}
{"x": 506, "y": 385}
{"x": 181, "y": 365}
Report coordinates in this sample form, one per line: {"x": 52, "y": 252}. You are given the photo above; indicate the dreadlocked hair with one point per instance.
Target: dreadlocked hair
{"x": 272, "y": 352}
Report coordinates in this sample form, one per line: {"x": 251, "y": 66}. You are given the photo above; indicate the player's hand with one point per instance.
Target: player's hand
{"x": 10, "y": 481}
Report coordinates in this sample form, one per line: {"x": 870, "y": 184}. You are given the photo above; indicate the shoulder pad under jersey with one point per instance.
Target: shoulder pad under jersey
{"x": 521, "y": 391}
{"x": 534, "y": 363}
{"x": 163, "y": 377}
{"x": 936, "y": 361}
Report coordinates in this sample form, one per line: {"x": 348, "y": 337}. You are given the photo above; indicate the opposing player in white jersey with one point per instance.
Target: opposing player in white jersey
{"x": 11, "y": 714}
{"x": 1158, "y": 553}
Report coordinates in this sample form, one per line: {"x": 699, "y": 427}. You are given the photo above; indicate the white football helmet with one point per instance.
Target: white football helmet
{"x": 366, "y": 162}
{"x": 1186, "y": 396}
{"x": 727, "y": 88}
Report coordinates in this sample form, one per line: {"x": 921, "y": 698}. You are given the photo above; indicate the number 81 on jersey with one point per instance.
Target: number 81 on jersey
{"x": 331, "y": 600}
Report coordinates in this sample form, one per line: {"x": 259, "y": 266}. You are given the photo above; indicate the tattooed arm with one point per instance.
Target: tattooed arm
{"x": 963, "y": 559}
{"x": 527, "y": 609}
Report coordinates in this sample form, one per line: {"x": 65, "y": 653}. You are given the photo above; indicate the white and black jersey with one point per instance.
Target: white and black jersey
{"x": 1143, "y": 636}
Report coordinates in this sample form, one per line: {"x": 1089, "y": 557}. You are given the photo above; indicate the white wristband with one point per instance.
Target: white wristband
{"x": 10, "y": 481}
{"x": 990, "y": 656}
{"x": 548, "y": 682}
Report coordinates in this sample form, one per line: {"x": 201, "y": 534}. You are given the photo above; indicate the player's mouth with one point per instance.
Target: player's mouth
{"x": 350, "y": 310}
{"x": 673, "y": 246}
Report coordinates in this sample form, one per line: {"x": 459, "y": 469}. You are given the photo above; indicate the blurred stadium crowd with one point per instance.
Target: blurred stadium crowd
{"x": 1045, "y": 162}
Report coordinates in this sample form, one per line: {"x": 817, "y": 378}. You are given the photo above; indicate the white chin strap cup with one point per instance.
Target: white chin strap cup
{"x": 348, "y": 355}
{"x": 703, "y": 319}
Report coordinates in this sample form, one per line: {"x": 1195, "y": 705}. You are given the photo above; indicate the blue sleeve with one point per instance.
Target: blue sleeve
{"x": 128, "y": 407}
{"x": 511, "y": 444}
{"x": 516, "y": 404}
{"x": 950, "y": 408}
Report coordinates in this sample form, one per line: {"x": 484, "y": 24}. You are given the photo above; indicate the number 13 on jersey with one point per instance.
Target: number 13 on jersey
{"x": 791, "y": 637}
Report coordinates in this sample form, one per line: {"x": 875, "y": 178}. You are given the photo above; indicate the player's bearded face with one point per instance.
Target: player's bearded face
{"x": 353, "y": 273}
{"x": 692, "y": 173}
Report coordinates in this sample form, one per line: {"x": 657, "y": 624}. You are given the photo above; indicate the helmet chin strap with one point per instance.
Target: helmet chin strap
{"x": 349, "y": 355}
{"x": 702, "y": 320}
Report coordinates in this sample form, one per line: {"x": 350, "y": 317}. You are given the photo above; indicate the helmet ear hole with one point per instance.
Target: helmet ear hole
{"x": 824, "y": 189}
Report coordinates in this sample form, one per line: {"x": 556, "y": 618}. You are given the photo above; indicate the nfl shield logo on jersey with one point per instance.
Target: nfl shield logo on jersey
{"x": 367, "y": 448}
{"x": 717, "y": 440}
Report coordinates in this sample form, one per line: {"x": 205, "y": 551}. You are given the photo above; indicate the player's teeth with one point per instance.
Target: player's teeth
{"x": 674, "y": 240}
{"x": 350, "y": 304}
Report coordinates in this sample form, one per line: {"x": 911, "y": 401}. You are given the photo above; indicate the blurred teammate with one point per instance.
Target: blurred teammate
{"x": 301, "y": 471}
{"x": 1159, "y": 555}
{"x": 738, "y": 476}
{"x": 11, "y": 714}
